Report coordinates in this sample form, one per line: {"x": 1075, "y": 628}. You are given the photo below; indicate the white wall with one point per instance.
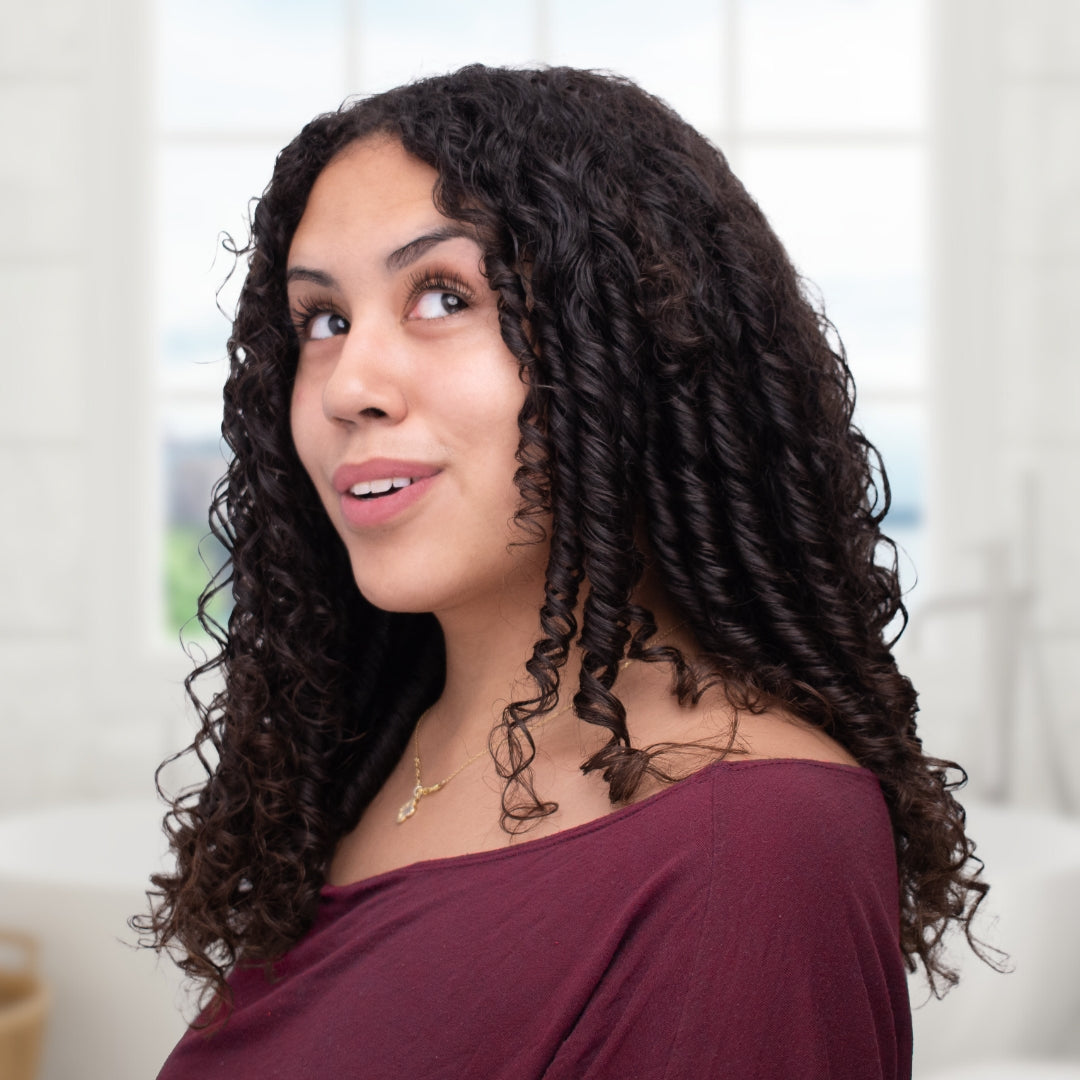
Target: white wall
{"x": 88, "y": 707}
{"x": 84, "y": 708}
{"x": 998, "y": 651}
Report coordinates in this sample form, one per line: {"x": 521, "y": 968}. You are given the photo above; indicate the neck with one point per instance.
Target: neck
{"x": 486, "y": 653}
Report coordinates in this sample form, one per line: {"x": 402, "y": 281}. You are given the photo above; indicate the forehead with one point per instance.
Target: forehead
{"x": 372, "y": 190}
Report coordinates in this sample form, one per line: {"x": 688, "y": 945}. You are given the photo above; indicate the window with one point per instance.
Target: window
{"x": 818, "y": 104}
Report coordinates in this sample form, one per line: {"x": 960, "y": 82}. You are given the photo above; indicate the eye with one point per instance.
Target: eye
{"x": 327, "y": 324}
{"x": 316, "y": 318}
{"x": 436, "y": 304}
{"x": 435, "y": 293}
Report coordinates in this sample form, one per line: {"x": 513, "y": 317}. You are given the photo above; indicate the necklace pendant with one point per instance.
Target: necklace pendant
{"x": 409, "y": 808}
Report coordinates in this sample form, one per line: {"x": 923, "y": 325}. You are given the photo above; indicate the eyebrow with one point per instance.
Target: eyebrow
{"x": 304, "y": 273}
{"x": 398, "y": 259}
{"x": 414, "y": 249}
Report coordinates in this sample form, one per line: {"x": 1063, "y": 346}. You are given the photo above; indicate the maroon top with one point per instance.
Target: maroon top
{"x": 739, "y": 924}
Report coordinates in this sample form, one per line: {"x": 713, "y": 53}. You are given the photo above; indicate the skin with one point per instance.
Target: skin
{"x": 405, "y": 360}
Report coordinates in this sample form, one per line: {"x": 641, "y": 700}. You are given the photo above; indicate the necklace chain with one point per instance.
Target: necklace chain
{"x": 421, "y": 789}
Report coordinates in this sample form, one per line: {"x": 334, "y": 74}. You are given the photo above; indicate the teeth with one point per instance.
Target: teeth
{"x": 379, "y": 487}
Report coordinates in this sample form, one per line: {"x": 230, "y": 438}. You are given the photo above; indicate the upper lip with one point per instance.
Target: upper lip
{"x": 348, "y": 476}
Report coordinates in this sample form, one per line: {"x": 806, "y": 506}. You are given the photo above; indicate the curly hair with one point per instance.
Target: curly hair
{"x": 687, "y": 409}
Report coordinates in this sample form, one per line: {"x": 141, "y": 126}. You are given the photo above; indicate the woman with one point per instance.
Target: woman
{"x": 559, "y": 736}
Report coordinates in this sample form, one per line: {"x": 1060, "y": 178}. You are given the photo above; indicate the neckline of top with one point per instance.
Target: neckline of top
{"x": 337, "y": 892}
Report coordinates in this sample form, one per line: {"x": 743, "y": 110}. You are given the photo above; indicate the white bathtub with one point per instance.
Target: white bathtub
{"x": 1033, "y": 913}
{"x": 72, "y": 875}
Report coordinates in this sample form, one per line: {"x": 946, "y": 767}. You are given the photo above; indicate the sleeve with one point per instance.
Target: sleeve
{"x": 797, "y": 972}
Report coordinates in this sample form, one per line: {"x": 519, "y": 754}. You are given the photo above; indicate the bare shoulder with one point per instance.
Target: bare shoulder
{"x": 777, "y": 733}
{"x": 714, "y": 724}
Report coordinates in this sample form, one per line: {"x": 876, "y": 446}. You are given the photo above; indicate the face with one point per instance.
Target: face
{"x": 405, "y": 404}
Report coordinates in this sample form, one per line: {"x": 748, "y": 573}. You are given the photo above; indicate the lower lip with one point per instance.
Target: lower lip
{"x": 366, "y": 513}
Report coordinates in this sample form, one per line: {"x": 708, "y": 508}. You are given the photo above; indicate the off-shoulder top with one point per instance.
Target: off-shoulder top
{"x": 742, "y": 923}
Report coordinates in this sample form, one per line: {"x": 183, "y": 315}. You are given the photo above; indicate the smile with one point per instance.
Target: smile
{"x": 374, "y": 489}
{"x": 367, "y": 504}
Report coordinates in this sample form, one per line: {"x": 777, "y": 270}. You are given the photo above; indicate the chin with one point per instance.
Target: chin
{"x": 519, "y": 579}
{"x": 402, "y": 589}
{"x": 391, "y": 596}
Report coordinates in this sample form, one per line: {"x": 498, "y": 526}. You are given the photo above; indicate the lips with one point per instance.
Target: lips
{"x": 376, "y": 491}
{"x": 378, "y": 471}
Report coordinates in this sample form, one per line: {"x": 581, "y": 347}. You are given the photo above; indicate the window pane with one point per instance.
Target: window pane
{"x": 673, "y": 50}
{"x": 852, "y": 221}
{"x": 399, "y": 42}
{"x": 831, "y": 64}
{"x": 852, "y": 217}
{"x": 898, "y": 430}
{"x": 192, "y": 462}
{"x": 263, "y": 64}
{"x": 204, "y": 193}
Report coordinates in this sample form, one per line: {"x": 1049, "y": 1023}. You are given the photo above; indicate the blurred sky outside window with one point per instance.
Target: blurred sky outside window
{"x": 820, "y": 106}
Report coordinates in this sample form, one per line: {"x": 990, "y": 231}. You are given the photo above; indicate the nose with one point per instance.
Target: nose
{"x": 367, "y": 379}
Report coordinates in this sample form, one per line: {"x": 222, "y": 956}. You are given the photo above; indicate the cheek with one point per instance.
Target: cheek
{"x": 493, "y": 428}
{"x": 303, "y": 407}
{"x": 494, "y": 395}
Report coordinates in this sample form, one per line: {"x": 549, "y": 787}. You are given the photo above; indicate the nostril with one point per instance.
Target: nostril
{"x": 373, "y": 413}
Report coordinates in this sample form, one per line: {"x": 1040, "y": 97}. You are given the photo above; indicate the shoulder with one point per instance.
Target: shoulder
{"x": 782, "y": 832}
{"x": 799, "y": 811}
{"x": 656, "y": 717}
{"x": 777, "y": 733}
{"x": 796, "y": 959}
{"x": 802, "y": 858}
{"x": 687, "y": 741}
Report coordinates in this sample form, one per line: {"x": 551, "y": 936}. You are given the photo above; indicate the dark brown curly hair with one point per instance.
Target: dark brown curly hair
{"x": 687, "y": 410}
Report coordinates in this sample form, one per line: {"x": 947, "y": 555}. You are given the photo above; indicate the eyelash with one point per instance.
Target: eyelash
{"x": 444, "y": 280}
{"x": 306, "y": 310}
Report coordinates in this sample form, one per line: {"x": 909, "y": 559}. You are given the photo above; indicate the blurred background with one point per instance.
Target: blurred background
{"x": 920, "y": 159}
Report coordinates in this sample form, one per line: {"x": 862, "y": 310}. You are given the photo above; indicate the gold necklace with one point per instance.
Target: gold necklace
{"x": 420, "y": 790}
